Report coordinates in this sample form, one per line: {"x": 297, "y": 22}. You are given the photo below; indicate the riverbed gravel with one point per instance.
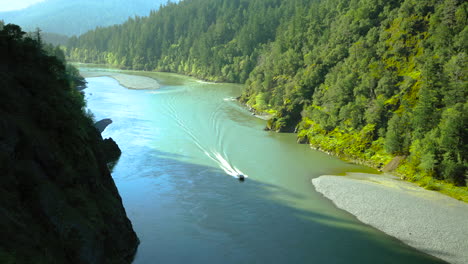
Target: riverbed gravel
{"x": 127, "y": 80}
{"x": 426, "y": 220}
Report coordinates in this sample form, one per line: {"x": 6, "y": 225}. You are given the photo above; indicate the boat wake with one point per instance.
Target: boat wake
{"x": 225, "y": 165}
{"x": 230, "y": 99}
{"x": 205, "y": 82}
{"x": 215, "y": 156}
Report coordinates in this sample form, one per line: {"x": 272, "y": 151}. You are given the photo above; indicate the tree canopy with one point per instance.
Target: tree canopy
{"x": 366, "y": 79}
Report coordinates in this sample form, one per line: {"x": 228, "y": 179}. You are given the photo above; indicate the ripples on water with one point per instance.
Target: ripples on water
{"x": 180, "y": 142}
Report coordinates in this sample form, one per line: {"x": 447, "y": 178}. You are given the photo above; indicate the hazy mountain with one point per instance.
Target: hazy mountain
{"x": 54, "y": 38}
{"x": 76, "y": 17}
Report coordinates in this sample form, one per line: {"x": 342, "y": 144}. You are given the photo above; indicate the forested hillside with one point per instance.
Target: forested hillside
{"x": 213, "y": 39}
{"x": 364, "y": 79}
{"x": 58, "y": 200}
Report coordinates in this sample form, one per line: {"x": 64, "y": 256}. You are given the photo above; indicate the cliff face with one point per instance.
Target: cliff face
{"x": 58, "y": 201}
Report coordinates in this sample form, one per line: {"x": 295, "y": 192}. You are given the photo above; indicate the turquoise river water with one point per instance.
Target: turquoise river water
{"x": 183, "y": 146}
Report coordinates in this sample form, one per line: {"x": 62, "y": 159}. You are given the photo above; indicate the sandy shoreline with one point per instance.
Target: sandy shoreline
{"x": 429, "y": 221}
{"x": 126, "y": 80}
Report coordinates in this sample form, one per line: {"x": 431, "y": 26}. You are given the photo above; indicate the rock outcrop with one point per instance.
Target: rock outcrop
{"x": 102, "y": 124}
{"x": 111, "y": 150}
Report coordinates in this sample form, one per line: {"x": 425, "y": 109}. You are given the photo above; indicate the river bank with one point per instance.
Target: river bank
{"x": 126, "y": 80}
{"x": 341, "y": 148}
{"x": 176, "y": 152}
{"x": 357, "y": 146}
{"x": 426, "y": 220}
{"x": 425, "y": 239}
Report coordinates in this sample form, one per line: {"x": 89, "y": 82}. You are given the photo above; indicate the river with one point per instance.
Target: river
{"x": 183, "y": 146}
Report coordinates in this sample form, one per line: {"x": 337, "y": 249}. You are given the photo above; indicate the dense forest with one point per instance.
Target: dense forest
{"x": 58, "y": 200}
{"x": 367, "y": 80}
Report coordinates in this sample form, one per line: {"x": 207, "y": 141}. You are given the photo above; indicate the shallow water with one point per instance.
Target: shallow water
{"x": 184, "y": 144}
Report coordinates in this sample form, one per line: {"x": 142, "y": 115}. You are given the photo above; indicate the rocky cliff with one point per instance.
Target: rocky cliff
{"x": 58, "y": 201}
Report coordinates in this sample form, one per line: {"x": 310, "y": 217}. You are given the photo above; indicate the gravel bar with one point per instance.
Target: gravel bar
{"x": 126, "y": 80}
{"x": 426, "y": 220}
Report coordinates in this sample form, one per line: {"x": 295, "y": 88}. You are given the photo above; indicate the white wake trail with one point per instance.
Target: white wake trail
{"x": 217, "y": 157}
{"x": 225, "y": 165}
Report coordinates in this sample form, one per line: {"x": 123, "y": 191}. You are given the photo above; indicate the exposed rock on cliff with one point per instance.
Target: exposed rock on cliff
{"x": 102, "y": 124}
{"x": 58, "y": 201}
{"x": 111, "y": 150}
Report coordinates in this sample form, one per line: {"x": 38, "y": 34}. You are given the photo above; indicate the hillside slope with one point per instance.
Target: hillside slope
{"x": 76, "y": 17}
{"x": 58, "y": 201}
{"x": 367, "y": 80}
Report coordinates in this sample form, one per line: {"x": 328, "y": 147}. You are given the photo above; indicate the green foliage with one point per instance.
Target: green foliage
{"x": 56, "y": 101}
{"x": 219, "y": 40}
{"x": 397, "y": 139}
{"x": 387, "y": 76}
{"x": 398, "y": 66}
{"x": 58, "y": 200}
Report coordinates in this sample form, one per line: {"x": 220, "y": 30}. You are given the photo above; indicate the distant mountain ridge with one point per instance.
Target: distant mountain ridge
{"x": 76, "y": 17}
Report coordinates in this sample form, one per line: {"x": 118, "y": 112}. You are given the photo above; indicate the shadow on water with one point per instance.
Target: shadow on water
{"x": 190, "y": 213}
